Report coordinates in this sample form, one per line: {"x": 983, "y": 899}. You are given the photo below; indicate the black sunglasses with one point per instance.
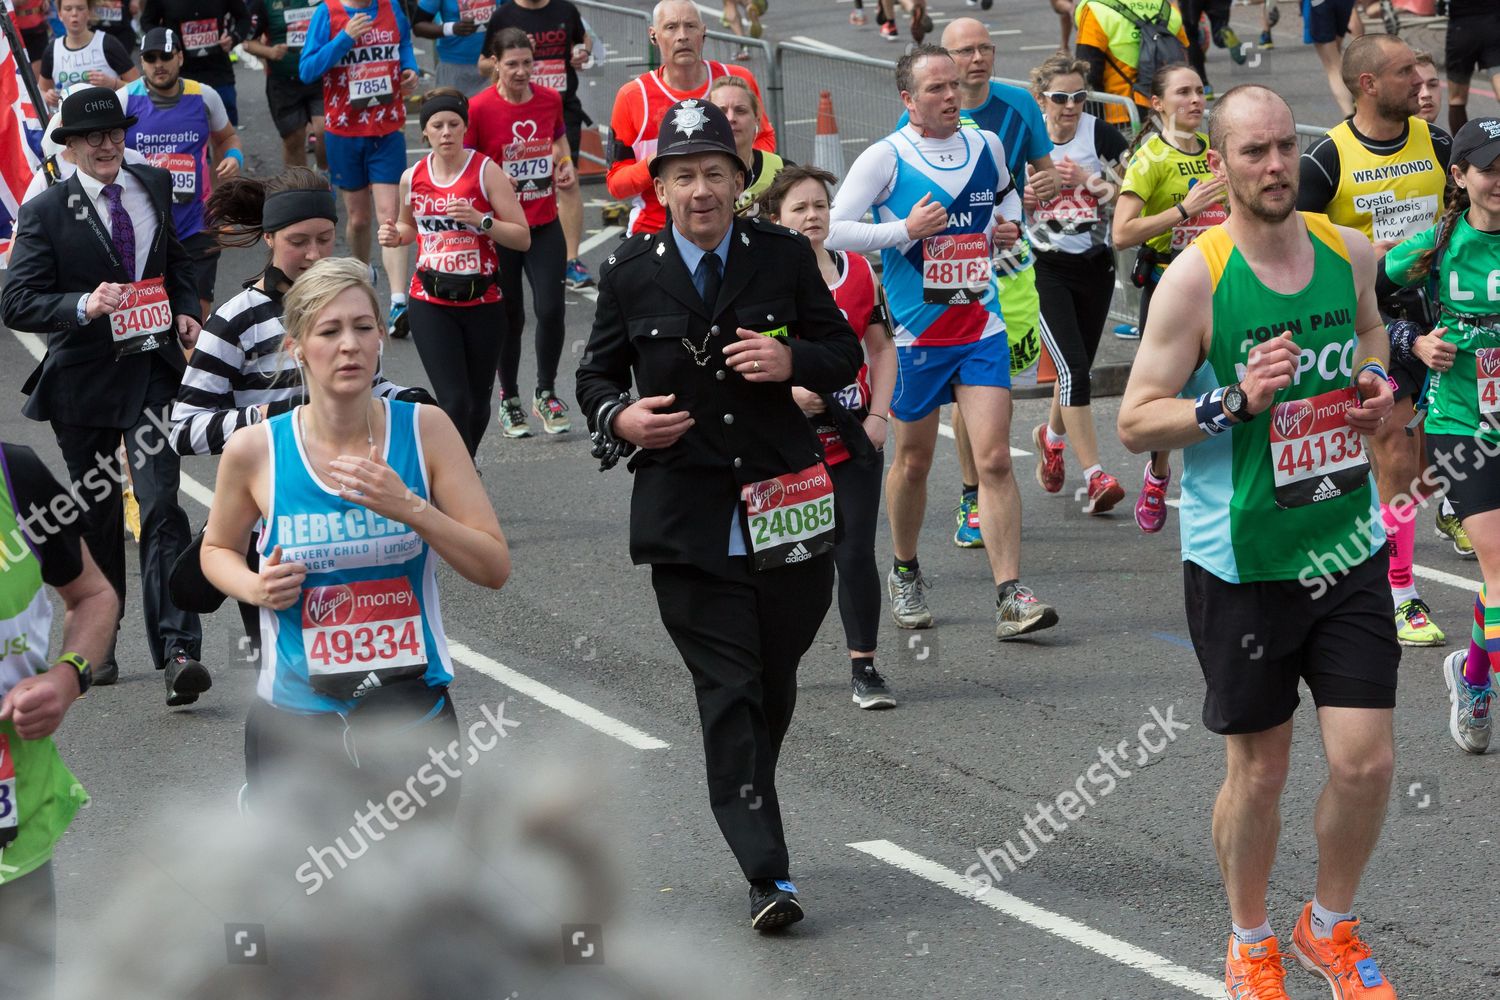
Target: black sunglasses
{"x": 155, "y": 57}
{"x": 1064, "y": 97}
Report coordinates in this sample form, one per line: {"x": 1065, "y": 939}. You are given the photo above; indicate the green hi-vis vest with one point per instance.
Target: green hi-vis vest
{"x": 38, "y": 794}
{"x": 1288, "y": 494}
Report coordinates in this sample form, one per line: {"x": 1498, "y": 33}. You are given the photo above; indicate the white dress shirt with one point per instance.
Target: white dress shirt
{"x": 137, "y": 204}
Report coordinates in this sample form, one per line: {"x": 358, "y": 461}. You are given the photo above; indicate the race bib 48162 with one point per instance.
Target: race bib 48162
{"x": 956, "y": 268}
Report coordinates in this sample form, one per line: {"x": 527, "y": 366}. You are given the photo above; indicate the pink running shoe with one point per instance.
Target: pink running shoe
{"x": 1050, "y": 470}
{"x": 1151, "y": 505}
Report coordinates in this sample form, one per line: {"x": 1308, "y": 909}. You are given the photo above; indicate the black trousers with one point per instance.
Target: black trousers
{"x": 742, "y": 635}
{"x": 458, "y": 346}
{"x": 155, "y": 470}
{"x": 1218, "y": 19}
{"x": 545, "y": 264}
{"x": 856, "y": 484}
{"x": 1075, "y": 290}
{"x": 28, "y": 935}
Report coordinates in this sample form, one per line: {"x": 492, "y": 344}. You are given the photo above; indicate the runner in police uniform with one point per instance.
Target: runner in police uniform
{"x": 1383, "y": 172}
{"x": 38, "y": 794}
{"x": 943, "y": 200}
{"x": 714, "y": 321}
{"x": 1262, "y": 360}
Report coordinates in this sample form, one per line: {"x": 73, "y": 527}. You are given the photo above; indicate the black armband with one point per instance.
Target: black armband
{"x": 609, "y": 449}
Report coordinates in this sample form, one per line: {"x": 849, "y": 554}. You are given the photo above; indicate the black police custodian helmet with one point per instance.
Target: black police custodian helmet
{"x": 690, "y": 127}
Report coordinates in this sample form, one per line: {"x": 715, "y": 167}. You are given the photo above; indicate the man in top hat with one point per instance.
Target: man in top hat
{"x": 114, "y": 359}
{"x": 732, "y": 507}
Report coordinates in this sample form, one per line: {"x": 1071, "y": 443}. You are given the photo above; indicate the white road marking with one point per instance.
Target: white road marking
{"x": 1037, "y": 48}
{"x": 554, "y": 699}
{"x": 815, "y": 43}
{"x": 1066, "y": 928}
{"x": 602, "y": 236}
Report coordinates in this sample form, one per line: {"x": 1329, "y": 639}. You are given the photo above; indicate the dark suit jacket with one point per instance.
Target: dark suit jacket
{"x": 61, "y": 251}
{"x": 744, "y": 431}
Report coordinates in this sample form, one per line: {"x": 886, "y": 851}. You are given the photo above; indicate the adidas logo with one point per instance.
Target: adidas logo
{"x": 960, "y": 298}
{"x": 370, "y": 683}
{"x": 1326, "y": 491}
{"x": 798, "y": 554}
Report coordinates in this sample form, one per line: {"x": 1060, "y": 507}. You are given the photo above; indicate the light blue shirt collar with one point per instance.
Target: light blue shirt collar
{"x": 692, "y": 253}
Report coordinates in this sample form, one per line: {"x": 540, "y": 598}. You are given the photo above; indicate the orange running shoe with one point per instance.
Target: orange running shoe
{"x": 1254, "y": 971}
{"x": 1343, "y": 960}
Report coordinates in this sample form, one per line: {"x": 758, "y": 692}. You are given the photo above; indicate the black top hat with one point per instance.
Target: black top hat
{"x": 1478, "y": 142}
{"x": 161, "y": 40}
{"x": 93, "y": 109}
{"x": 693, "y": 126}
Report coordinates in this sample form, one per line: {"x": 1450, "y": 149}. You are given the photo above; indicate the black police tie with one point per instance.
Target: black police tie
{"x": 708, "y": 277}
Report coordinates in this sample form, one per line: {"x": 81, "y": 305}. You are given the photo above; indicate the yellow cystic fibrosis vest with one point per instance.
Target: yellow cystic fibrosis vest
{"x": 1388, "y": 198}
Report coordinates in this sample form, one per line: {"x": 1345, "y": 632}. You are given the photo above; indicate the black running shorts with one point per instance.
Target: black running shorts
{"x": 1256, "y": 641}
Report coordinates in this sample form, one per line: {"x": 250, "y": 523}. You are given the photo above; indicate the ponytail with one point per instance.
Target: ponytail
{"x": 1457, "y": 200}
{"x": 236, "y": 209}
{"x": 1159, "y": 91}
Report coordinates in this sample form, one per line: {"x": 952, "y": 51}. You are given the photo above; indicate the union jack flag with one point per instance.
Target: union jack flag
{"x": 20, "y": 138}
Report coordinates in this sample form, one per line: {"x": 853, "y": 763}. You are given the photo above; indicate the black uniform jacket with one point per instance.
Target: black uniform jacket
{"x": 62, "y": 250}
{"x": 743, "y": 431}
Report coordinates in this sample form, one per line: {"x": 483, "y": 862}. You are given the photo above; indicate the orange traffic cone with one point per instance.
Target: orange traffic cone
{"x": 828, "y": 151}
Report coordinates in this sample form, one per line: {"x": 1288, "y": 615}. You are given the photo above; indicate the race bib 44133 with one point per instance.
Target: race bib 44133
{"x": 1315, "y": 455}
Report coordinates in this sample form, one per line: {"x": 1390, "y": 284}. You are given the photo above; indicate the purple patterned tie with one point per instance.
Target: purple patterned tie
{"x": 122, "y": 230}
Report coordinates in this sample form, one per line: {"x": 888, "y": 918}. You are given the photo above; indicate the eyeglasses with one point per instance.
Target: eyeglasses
{"x": 114, "y": 135}
{"x": 155, "y": 57}
{"x": 1061, "y": 97}
{"x": 967, "y": 52}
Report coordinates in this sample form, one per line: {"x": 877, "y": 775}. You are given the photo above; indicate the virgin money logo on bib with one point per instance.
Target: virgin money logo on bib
{"x": 1294, "y": 418}
{"x": 1489, "y": 362}
{"x": 767, "y": 495}
{"x": 329, "y": 605}
{"x": 941, "y": 248}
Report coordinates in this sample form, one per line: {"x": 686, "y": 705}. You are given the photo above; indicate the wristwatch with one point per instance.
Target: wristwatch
{"x": 85, "y": 671}
{"x": 487, "y": 223}
{"x": 1236, "y": 403}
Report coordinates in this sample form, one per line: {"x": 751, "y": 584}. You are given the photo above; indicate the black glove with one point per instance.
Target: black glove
{"x": 609, "y": 449}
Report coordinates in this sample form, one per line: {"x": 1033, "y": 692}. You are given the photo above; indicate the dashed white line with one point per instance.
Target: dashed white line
{"x": 555, "y": 699}
{"x": 602, "y": 236}
{"x": 1066, "y": 928}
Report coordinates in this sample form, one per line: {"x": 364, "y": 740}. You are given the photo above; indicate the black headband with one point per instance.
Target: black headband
{"x": 445, "y": 102}
{"x": 287, "y": 208}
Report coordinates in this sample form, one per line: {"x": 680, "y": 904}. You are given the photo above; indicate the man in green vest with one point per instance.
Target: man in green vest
{"x": 277, "y": 30}
{"x": 1265, "y": 364}
{"x": 40, "y": 543}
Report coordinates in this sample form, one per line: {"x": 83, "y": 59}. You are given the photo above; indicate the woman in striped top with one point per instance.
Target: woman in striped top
{"x": 238, "y": 374}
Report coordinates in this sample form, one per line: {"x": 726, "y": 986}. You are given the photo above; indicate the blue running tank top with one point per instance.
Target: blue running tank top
{"x": 368, "y": 615}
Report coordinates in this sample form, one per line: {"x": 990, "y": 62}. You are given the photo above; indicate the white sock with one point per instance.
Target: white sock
{"x": 1056, "y": 440}
{"x": 1403, "y": 594}
{"x": 1088, "y": 474}
{"x": 1323, "y": 920}
{"x": 1447, "y": 508}
{"x": 1250, "y": 935}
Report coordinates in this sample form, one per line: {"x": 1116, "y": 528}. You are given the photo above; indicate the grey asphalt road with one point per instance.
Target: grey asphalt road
{"x": 884, "y": 812}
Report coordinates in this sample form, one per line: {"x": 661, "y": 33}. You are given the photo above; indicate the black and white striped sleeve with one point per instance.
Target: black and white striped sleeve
{"x": 218, "y": 392}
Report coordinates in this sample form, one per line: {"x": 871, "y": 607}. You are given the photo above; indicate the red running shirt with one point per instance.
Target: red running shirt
{"x": 854, "y": 294}
{"x": 446, "y": 245}
{"x": 519, "y": 137}
{"x": 362, "y": 92}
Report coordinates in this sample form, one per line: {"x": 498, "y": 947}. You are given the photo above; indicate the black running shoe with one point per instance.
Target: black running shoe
{"x": 186, "y": 679}
{"x": 870, "y": 690}
{"x": 773, "y": 904}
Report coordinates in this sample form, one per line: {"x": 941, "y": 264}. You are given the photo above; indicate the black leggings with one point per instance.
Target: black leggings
{"x": 458, "y": 346}
{"x": 1075, "y": 290}
{"x": 856, "y": 484}
{"x": 544, "y": 264}
{"x": 1218, "y": 19}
